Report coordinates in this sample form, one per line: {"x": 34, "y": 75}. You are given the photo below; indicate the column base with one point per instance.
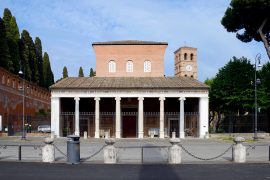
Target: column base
{"x": 161, "y": 134}
{"x": 117, "y": 135}
{"x": 97, "y": 134}
{"x": 182, "y": 135}
{"x": 77, "y": 133}
{"x": 140, "y": 135}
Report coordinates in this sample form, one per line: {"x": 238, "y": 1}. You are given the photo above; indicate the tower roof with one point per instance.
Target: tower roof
{"x": 185, "y": 47}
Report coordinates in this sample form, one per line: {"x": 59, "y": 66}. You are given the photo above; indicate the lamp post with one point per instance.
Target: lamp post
{"x": 23, "y": 92}
{"x": 256, "y": 82}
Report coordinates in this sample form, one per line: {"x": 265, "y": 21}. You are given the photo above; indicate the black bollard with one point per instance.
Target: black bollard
{"x": 20, "y": 153}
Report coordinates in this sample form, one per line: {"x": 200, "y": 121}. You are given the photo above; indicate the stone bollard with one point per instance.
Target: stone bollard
{"x": 206, "y": 136}
{"x": 173, "y": 135}
{"x": 84, "y": 135}
{"x": 48, "y": 152}
{"x": 239, "y": 151}
{"x": 107, "y": 135}
{"x": 110, "y": 152}
{"x": 152, "y": 134}
{"x": 52, "y": 135}
{"x": 174, "y": 152}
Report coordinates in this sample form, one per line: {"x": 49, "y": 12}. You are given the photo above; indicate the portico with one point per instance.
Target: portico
{"x": 141, "y": 110}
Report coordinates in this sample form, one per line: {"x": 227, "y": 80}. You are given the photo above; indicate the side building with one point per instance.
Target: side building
{"x": 130, "y": 97}
{"x": 16, "y": 100}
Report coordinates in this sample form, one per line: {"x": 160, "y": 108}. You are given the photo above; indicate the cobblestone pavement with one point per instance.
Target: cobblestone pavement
{"x": 131, "y": 151}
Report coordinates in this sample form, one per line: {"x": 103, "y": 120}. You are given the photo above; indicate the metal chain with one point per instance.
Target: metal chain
{"x": 2, "y": 147}
{"x": 59, "y": 150}
{"x": 97, "y": 152}
{"x": 252, "y": 147}
{"x": 205, "y": 159}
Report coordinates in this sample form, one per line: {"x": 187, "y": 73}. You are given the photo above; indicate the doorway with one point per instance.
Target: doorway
{"x": 129, "y": 126}
{"x": 129, "y": 121}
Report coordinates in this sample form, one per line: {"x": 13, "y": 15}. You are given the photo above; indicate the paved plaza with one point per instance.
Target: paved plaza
{"x": 130, "y": 151}
{"x": 29, "y": 170}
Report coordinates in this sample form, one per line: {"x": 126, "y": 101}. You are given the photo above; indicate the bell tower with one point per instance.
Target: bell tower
{"x": 185, "y": 62}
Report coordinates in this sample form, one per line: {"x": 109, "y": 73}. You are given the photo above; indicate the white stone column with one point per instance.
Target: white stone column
{"x": 97, "y": 99}
{"x": 182, "y": 118}
{"x": 55, "y": 115}
{"x": 118, "y": 117}
{"x": 161, "y": 117}
{"x": 203, "y": 120}
{"x": 140, "y": 123}
{"x": 77, "y": 116}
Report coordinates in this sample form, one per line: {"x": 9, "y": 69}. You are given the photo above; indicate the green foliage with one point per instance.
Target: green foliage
{"x": 92, "y": 73}
{"x": 24, "y": 56}
{"x": 22, "y": 53}
{"x": 4, "y": 50}
{"x": 38, "y": 47}
{"x": 231, "y": 89}
{"x": 12, "y": 33}
{"x": 81, "y": 72}
{"x": 264, "y": 88}
{"x": 245, "y": 17}
{"x": 48, "y": 75}
{"x": 32, "y": 58}
{"x": 65, "y": 72}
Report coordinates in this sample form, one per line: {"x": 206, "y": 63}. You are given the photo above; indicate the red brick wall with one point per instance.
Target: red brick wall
{"x": 136, "y": 53}
{"x": 11, "y": 98}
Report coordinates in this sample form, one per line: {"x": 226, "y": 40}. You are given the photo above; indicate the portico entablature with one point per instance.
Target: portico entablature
{"x": 68, "y": 93}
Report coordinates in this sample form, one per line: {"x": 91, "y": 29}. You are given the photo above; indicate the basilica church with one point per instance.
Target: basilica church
{"x": 130, "y": 97}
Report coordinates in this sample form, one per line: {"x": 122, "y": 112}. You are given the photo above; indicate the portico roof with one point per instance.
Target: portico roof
{"x": 129, "y": 83}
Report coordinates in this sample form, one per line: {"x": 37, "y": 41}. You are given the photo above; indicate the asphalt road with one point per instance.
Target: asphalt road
{"x": 40, "y": 171}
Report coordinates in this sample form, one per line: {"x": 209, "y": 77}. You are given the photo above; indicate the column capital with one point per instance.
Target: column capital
{"x": 140, "y": 98}
{"x": 162, "y": 98}
{"x": 77, "y": 98}
{"x": 118, "y": 98}
{"x": 97, "y": 98}
{"x": 182, "y": 99}
{"x": 55, "y": 98}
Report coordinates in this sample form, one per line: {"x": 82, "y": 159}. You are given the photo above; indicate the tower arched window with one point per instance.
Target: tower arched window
{"x": 147, "y": 66}
{"x": 185, "y": 56}
{"x": 129, "y": 66}
{"x": 191, "y": 56}
{"x": 112, "y": 66}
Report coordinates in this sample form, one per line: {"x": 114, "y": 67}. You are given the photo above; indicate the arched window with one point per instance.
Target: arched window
{"x": 185, "y": 56}
{"x": 129, "y": 66}
{"x": 147, "y": 66}
{"x": 191, "y": 56}
{"x": 112, "y": 66}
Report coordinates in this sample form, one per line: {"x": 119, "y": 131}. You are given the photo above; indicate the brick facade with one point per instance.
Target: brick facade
{"x": 37, "y": 100}
{"x": 135, "y": 52}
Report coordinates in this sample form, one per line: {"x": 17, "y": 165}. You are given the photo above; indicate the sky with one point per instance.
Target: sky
{"x": 67, "y": 29}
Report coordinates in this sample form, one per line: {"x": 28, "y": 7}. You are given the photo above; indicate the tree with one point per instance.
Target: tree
{"x": 32, "y": 58}
{"x": 264, "y": 88}
{"x": 250, "y": 20}
{"x": 13, "y": 36}
{"x": 38, "y": 47}
{"x": 81, "y": 72}
{"x": 92, "y": 73}
{"x": 65, "y": 72}
{"x": 24, "y": 63}
{"x": 4, "y": 50}
{"x": 48, "y": 74}
{"x": 231, "y": 89}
